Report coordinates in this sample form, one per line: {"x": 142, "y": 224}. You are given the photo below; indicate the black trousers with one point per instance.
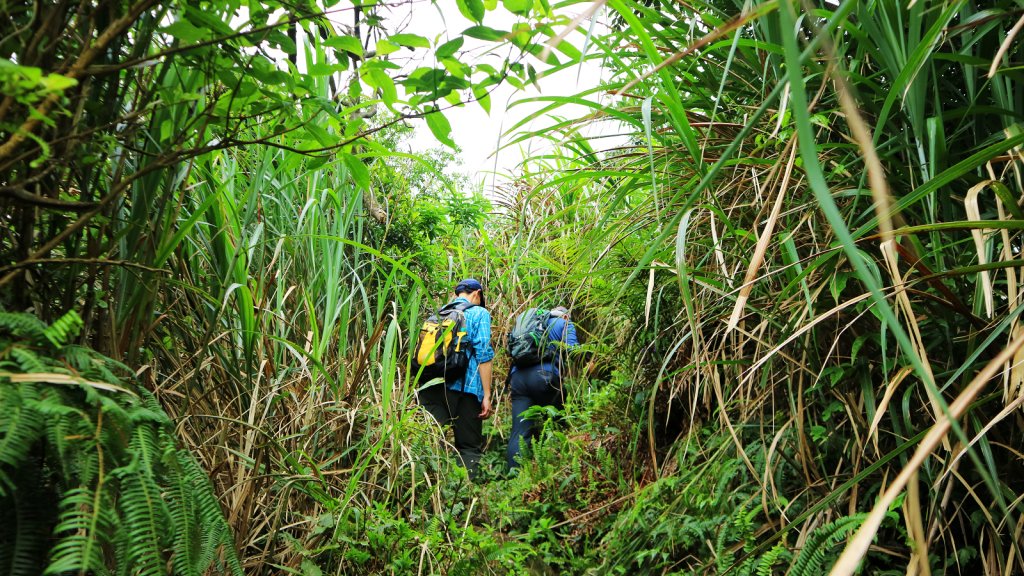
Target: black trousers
{"x": 461, "y": 411}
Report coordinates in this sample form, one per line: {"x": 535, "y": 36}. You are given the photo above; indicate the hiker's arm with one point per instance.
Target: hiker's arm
{"x": 484, "y": 355}
{"x": 569, "y": 338}
{"x": 485, "y": 380}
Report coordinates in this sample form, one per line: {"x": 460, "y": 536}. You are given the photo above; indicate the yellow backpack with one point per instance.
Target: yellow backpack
{"x": 442, "y": 350}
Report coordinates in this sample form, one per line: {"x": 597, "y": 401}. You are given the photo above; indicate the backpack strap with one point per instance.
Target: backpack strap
{"x": 460, "y": 306}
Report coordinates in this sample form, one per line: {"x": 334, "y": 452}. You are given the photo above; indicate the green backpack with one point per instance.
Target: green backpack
{"x": 528, "y": 342}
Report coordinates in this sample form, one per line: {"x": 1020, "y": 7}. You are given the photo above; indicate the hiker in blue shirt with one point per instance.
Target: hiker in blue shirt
{"x": 466, "y": 402}
{"x": 541, "y": 384}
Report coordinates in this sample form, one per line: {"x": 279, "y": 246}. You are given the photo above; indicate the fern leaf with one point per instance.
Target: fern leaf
{"x": 814, "y": 555}
{"x": 144, "y": 517}
{"x": 24, "y": 530}
{"x": 184, "y": 516}
{"x": 94, "y": 366}
{"x": 25, "y": 360}
{"x": 766, "y": 565}
{"x": 166, "y": 515}
{"x": 62, "y": 330}
{"x": 24, "y": 326}
{"x": 215, "y": 534}
{"x": 83, "y": 528}
{"x": 20, "y": 426}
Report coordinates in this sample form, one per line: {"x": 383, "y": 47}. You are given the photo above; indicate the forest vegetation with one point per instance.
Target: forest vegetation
{"x": 795, "y": 277}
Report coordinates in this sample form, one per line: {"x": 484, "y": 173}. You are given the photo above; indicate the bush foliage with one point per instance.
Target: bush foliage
{"x": 795, "y": 272}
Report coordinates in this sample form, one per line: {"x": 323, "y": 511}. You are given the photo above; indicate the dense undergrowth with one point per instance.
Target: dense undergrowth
{"x": 797, "y": 284}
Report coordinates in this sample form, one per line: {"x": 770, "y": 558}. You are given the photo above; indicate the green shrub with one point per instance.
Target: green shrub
{"x": 91, "y": 478}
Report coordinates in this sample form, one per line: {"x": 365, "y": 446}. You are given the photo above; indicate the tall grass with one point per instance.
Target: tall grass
{"x": 797, "y": 285}
{"x": 809, "y": 252}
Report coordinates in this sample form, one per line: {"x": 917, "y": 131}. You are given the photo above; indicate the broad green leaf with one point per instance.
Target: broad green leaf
{"x": 346, "y": 43}
{"x": 57, "y": 82}
{"x": 537, "y": 51}
{"x": 379, "y": 79}
{"x": 281, "y": 41}
{"x": 425, "y": 77}
{"x": 385, "y": 47}
{"x": 471, "y": 9}
{"x": 359, "y": 172}
{"x": 185, "y": 31}
{"x": 521, "y": 7}
{"x": 309, "y": 568}
{"x": 208, "y": 20}
{"x": 409, "y": 40}
{"x": 455, "y": 68}
{"x": 566, "y": 47}
{"x": 483, "y": 97}
{"x": 449, "y": 48}
{"x": 485, "y": 33}
{"x": 322, "y": 137}
{"x": 441, "y": 128}
{"x": 322, "y": 69}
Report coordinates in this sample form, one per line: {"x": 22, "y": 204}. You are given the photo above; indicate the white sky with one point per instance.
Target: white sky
{"x": 473, "y": 130}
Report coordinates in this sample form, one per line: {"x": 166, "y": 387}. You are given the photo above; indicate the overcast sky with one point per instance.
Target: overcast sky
{"x": 475, "y": 131}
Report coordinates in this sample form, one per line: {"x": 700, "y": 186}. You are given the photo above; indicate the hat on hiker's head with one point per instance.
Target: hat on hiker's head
{"x": 471, "y": 285}
{"x": 560, "y": 312}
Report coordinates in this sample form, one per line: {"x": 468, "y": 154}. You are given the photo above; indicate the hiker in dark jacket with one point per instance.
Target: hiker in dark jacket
{"x": 540, "y": 384}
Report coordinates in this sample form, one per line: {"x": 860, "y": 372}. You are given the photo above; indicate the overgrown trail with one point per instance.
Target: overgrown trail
{"x": 795, "y": 270}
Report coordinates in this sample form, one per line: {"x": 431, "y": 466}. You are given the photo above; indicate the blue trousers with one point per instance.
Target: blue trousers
{"x": 530, "y": 387}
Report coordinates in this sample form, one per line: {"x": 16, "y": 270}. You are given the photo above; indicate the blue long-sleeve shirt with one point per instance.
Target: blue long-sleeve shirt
{"x": 478, "y": 331}
{"x": 562, "y": 335}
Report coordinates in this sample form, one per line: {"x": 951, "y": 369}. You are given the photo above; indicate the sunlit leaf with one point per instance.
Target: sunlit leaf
{"x": 440, "y": 127}
{"x": 521, "y": 7}
{"x": 471, "y": 9}
{"x": 185, "y": 31}
{"x": 409, "y": 40}
{"x": 483, "y": 97}
{"x": 345, "y": 43}
{"x": 485, "y": 33}
{"x": 449, "y": 48}
{"x": 359, "y": 172}
{"x": 385, "y": 47}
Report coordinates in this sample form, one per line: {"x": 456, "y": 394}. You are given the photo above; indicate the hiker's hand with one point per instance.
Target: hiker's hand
{"x": 486, "y": 408}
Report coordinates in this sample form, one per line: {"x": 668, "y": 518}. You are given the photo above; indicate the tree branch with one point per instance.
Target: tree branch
{"x": 77, "y": 69}
{"x": 20, "y": 194}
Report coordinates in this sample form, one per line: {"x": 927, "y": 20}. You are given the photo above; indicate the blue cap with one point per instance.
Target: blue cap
{"x": 471, "y": 285}
{"x": 468, "y": 285}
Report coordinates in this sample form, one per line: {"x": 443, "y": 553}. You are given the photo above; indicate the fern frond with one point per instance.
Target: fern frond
{"x": 82, "y": 529}
{"x": 62, "y": 330}
{"x": 165, "y": 515}
{"x": 24, "y": 326}
{"x": 144, "y": 447}
{"x": 61, "y": 435}
{"x": 94, "y": 366}
{"x": 814, "y": 555}
{"x": 215, "y": 534}
{"x": 26, "y": 360}
{"x": 184, "y": 516}
{"x": 24, "y": 529}
{"x": 145, "y": 516}
{"x": 767, "y": 562}
{"x": 20, "y": 426}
